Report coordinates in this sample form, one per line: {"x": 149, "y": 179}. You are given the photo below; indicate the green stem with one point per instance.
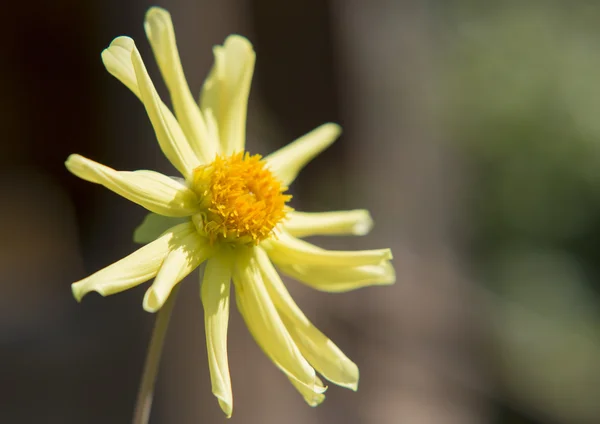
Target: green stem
{"x": 143, "y": 404}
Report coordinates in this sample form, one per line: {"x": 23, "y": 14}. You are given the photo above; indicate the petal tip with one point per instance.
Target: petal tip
{"x": 354, "y": 384}
{"x": 151, "y": 301}
{"x": 78, "y": 293}
{"x": 390, "y": 279}
{"x": 122, "y": 41}
{"x": 81, "y": 288}
{"x": 351, "y": 385}
{"x": 334, "y": 128}
{"x": 112, "y": 56}
{"x": 157, "y": 10}
{"x": 157, "y": 18}
{"x": 239, "y": 41}
{"x": 364, "y": 225}
{"x": 72, "y": 156}
{"x": 72, "y": 160}
{"x": 226, "y": 406}
{"x": 389, "y": 274}
{"x": 316, "y": 400}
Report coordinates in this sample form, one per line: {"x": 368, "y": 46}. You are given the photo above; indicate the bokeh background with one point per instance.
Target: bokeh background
{"x": 472, "y": 133}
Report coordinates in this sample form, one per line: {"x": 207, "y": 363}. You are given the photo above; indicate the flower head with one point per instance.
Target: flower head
{"x": 230, "y": 212}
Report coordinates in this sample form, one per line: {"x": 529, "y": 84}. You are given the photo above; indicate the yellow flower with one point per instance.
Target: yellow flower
{"x": 229, "y": 211}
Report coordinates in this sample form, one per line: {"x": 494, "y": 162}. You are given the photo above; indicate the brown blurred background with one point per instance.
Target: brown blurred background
{"x": 472, "y": 133}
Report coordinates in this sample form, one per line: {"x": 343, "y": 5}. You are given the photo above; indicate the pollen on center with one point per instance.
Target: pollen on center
{"x": 241, "y": 199}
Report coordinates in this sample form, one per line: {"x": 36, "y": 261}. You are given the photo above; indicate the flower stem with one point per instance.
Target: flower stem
{"x": 143, "y": 404}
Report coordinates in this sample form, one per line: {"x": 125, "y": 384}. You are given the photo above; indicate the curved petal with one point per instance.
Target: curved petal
{"x": 124, "y": 62}
{"x": 311, "y": 397}
{"x": 341, "y": 279}
{"x": 287, "y": 162}
{"x": 153, "y": 226}
{"x": 151, "y": 190}
{"x": 215, "y": 293}
{"x": 225, "y": 92}
{"x": 290, "y": 250}
{"x": 267, "y": 328}
{"x": 140, "y": 266}
{"x": 303, "y": 224}
{"x": 117, "y": 61}
{"x": 160, "y": 32}
{"x": 181, "y": 260}
{"x": 321, "y": 352}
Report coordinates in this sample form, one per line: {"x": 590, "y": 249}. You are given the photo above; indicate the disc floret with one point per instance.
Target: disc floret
{"x": 241, "y": 199}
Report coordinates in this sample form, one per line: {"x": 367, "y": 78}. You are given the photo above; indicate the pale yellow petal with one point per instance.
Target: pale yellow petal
{"x": 140, "y": 266}
{"x": 320, "y": 352}
{"x": 303, "y": 224}
{"x": 215, "y": 292}
{"x": 117, "y": 61}
{"x": 226, "y": 90}
{"x": 160, "y": 32}
{"x": 268, "y": 330}
{"x": 151, "y": 190}
{"x": 123, "y": 61}
{"x": 340, "y": 279}
{"x": 183, "y": 259}
{"x": 290, "y": 250}
{"x": 212, "y": 126}
{"x": 287, "y": 162}
{"x": 311, "y": 397}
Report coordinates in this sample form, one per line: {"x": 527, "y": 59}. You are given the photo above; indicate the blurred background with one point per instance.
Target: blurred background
{"x": 472, "y": 133}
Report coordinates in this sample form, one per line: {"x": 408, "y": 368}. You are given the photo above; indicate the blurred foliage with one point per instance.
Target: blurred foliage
{"x": 522, "y": 100}
{"x": 545, "y": 324}
{"x": 524, "y": 97}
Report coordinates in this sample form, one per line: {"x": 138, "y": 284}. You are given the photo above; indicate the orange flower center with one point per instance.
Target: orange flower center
{"x": 242, "y": 200}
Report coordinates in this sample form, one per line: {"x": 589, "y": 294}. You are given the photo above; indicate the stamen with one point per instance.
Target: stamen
{"x": 242, "y": 199}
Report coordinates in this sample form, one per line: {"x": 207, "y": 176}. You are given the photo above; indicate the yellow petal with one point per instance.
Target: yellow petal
{"x": 290, "y": 250}
{"x": 340, "y": 279}
{"x": 311, "y": 397}
{"x": 181, "y": 260}
{"x": 151, "y": 190}
{"x": 226, "y": 90}
{"x": 268, "y": 330}
{"x": 117, "y": 61}
{"x": 140, "y": 266}
{"x": 212, "y": 126}
{"x": 160, "y": 32}
{"x": 287, "y": 162}
{"x": 320, "y": 352}
{"x": 123, "y": 61}
{"x": 215, "y": 292}
{"x": 303, "y": 224}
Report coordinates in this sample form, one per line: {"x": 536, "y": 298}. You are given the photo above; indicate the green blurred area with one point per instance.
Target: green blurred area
{"x": 522, "y": 102}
